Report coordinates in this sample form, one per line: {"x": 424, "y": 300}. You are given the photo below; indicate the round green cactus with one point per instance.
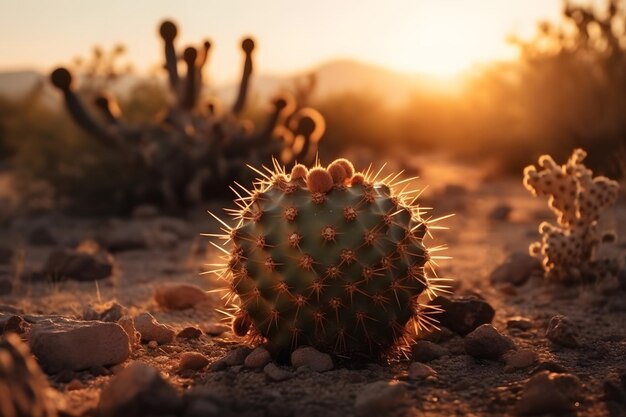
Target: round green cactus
{"x": 328, "y": 258}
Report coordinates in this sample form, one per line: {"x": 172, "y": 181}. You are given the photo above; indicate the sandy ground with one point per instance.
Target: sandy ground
{"x": 464, "y": 386}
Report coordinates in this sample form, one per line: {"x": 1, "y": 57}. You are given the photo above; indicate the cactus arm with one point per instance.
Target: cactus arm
{"x": 248, "y": 46}
{"x": 190, "y": 95}
{"x": 109, "y": 109}
{"x": 168, "y": 32}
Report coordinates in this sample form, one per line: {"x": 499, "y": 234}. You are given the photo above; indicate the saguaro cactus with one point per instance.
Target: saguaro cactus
{"x": 195, "y": 148}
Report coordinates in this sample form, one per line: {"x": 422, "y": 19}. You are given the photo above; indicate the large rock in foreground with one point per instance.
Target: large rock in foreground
{"x": 76, "y": 345}
{"x": 24, "y": 390}
{"x": 463, "y": 314}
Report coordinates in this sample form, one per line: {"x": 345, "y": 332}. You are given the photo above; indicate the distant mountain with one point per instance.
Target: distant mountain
{"x": 333, "y": 77}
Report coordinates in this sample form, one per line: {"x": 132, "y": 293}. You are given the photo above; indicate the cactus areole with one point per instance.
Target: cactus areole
{"x": 328, "y": 258}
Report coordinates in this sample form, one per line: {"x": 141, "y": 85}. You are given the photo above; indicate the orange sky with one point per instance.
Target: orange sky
{"x": 441, "y": 37}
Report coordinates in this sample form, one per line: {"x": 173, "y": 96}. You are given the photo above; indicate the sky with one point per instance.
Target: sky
{"x": 434, "y": 37}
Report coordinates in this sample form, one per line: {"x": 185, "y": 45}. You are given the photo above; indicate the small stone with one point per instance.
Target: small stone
{"x": 76, "y": 345}
{"x": 519, "y": 359}
{"x": 111, "y": 312}
{"x": 418, "y": 370}
{"x": 6, "y": 286}
{"x": 218, "y": 365}
{"x": 41, "y": 236}
{"x": 153, "y": 344}
{"x": 517, "y": 269}
{"x": 193, "y": 361}
{"x": 275, "y": 373}
{"x": 128, "y": 324}
{"x": 16, "y": 324}
{"x": 150, "y": 329}
{"x": 237, "y": 356}
{"x": 519, "y": 322}
{"x": 215, "y": 329}
{"x": 311, "y": 357}
{"x": 74, "y": 385}
{"x": 501, "y": 212}
{"x": 6, "y": 255}
{"x": 562, "y": 332}
{"x": 425, "y": 351}
{"x": 377, "y": 398}
{"x": 486, "y": 342}
{"x": 548, "y": 392}
{"x": 27, "y": 392}
{"x": 463, "y": 314}
{"x": 138, "y": 390}
{"x": 189, "y": 333}
{"x": 179, "y": 296}
{"x": 258, "y": 358}
{"x": 77, "y": 265}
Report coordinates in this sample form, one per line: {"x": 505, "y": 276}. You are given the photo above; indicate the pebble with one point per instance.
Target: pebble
{"x": 520, "y": 359}
{"x": 311, "y": 357}
{"x": 77, "y": 265}
{"x": 237, "y": 356}
{"x": 193, "y": 361}
{"x": 215, "y": 329}
{"x": 189, "y": 333}
{"x": 128, "y": 324}
{"x": 425, "y": 351}
{"x": 258, "y": 358}
{"x": 6, "y": 286}
{"x": 562, "y": 332}
{"x": 173, "y": 296}
{"x": 516, "y": 269}
{"x": 501, "y": 212}
{"x": 486, "y": 342}
{"x": 463, "y": 314}
{"x": 138, "y": 390}
{"x": 276, "y": 373}
{"x": 150, "y": 329}
{"x": 28, "y": 392}
{"x": 112, "y": 312}
{"x": 377, "y": 398}
{"x": 76, "y": 345}
{"x": 548, "y": 392}
{"x": 153, "y": 344}
{"x": 520, "y": 323}
{"x": 418, "y": 370}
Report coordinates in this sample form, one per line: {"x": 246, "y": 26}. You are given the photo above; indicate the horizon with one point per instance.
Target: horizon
{"x": 419, "y": 30}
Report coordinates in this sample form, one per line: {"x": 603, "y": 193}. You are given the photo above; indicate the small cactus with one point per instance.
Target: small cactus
{"x": 330, "y": 258}
{"x": 569, "y": 250}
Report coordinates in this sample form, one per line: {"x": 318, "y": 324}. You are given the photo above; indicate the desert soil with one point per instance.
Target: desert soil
{"x": 463, "y": 385}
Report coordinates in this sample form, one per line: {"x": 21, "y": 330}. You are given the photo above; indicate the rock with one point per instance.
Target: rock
{"x": 138, "y": 390}
{"x": 237, "y": 356}
{"x": 6, "y": 255}
{"x": 275, "y": 373}
{"x": 150, "y": 329}
{"x": 311, "y": 357}
{"x": 153, "y": 344}
{"x": 562, "y": 332}
{"x": 519, "y": 322}
{"x": 517, "y": 269}
{"x": 377, "y": 398}
{"x": 6, "y": 286}
{"x": 128, "y": 324}
{"x": 519, "y": 359}
{"x": 463, "y": 314}
{"x": 41, "y": 236}
{"x": 15, "y": 324}
{"x": 189, "y": 333}
{"x": 215, "y": 329}
{"x": 123, "y": 237}
{"x": 486, "y": 342}
{"x": 418, "y": 370}
{"x": 175, "y": 296}
{"x": 193, "y": 361}
{"x": 76, "y": 345}
{"x": 24, "y": 390}
{"x": 501, "y": 212}
{"x": 548, "y": 392}
{"x": 425, "y": 351}
{"x": 111, "y": 312}
{"x": 77, "y": 265}
{"x": 258, "y": 358}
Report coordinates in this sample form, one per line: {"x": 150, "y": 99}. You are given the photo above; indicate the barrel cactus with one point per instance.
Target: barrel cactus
{"x": 329, "y": 258}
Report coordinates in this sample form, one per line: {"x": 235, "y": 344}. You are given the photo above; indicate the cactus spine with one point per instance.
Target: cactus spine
{"x": 329, "y": 258}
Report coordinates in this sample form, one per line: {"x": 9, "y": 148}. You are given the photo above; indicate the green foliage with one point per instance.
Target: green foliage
{"x": 330, "y": 259}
